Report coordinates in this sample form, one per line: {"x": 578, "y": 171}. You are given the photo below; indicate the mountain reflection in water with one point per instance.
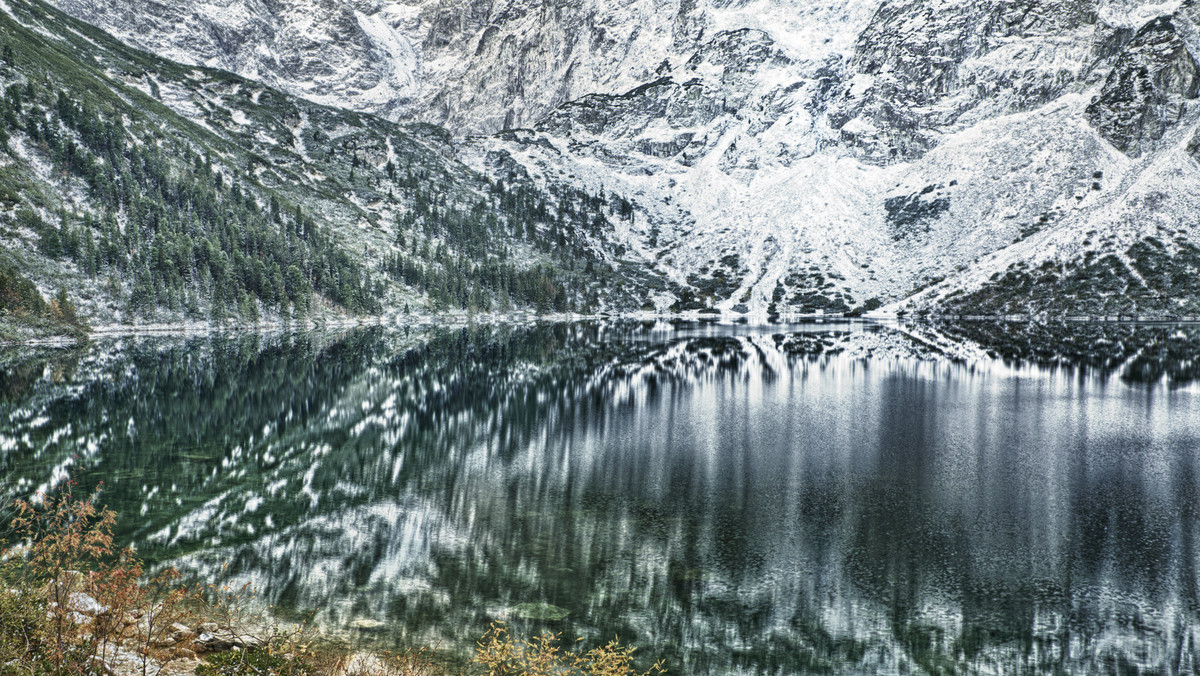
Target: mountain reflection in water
{"x": 793, "y": 499}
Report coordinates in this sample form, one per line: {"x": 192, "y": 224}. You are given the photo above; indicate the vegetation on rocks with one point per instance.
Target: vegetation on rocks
{"x": 1151, "y": 278}
{"x": 74, "y": 603}
{"x": 503, "y": 654}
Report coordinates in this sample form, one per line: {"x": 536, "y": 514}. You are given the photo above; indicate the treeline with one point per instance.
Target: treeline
{"x": 461, "y": 255}
{"x": 170, "y": 226}
{"x": 174, "y": 227}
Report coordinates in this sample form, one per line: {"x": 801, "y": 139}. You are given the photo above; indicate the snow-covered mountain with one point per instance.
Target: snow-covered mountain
{"x": 982, "y": 157}
{"x": 135, "y": 189}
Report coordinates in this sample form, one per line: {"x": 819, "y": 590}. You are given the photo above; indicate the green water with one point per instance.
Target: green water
{"x": 776, "y": 500}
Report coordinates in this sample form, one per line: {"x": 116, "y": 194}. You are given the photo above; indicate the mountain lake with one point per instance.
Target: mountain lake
{"x": 781, "y": 499}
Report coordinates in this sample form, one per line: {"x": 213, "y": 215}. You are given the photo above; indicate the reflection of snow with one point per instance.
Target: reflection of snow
{"x": 710, "y": 489}
{"x": 782, "y": 431}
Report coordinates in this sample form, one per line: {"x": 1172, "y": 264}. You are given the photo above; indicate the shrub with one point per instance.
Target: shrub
{"x": 24, "y": 629}
{"x": 61, "y": 539}
{"x": 18, "y": 295}
{"x": 502, "y": 654}
{"x": 267, "y": 661}
{"x": 411, "y": 662}
{"x": 70, "y": 593}
{"x": 21, "y": 300}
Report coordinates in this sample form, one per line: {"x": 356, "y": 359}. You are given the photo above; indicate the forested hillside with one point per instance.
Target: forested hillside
{"x": 147, "y": 191}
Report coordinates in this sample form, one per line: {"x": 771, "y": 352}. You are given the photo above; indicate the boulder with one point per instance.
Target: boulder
{"x": 367, "y": 624}
{"x": 85, "y": 604}
{"x": 223, "y": 640}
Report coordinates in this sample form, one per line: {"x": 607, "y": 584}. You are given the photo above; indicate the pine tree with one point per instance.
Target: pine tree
{"x": 50, "y": 242}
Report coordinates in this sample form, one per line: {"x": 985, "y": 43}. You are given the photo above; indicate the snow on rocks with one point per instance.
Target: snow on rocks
{"x": 827, "y": 152}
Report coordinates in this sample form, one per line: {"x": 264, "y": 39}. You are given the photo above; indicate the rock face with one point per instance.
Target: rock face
{"x": 471, "y": 65}
{"x": 919, "y": 67}
{"x": 333, "y": 52}
{"x": 833, "y": 152}
{"x": 1146, "y": 92}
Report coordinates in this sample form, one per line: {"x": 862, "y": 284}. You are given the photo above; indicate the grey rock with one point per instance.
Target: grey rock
{"x": 326, "y": 50}
{"x": 926, "y": 65}
{"x": 85, "y": 604}
{"x": 470, "y": 65}
{"x": 1147, "y": 91}
{"x": 180, "y": 631}
{"x": 910, "y": 215}
{"x": 223, "y": 640}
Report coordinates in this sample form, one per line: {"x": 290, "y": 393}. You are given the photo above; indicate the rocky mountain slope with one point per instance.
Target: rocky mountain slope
{"x": 990, "y": 157}
{"x": 154, "y": 192}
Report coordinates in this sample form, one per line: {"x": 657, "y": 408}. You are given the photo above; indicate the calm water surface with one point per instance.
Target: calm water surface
{"x": 775, "y": 500}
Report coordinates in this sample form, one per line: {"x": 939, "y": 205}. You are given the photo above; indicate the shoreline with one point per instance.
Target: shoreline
{"x": 193, "y": 329}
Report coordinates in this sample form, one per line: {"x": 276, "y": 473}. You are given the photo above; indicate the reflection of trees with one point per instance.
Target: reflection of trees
{"x": 204, "y": 413}
{"x": 171, "y": 414}
{"x": 21, "y": 370}
{"x": 438, "y": 481}
{"x": 1136, "y": 352}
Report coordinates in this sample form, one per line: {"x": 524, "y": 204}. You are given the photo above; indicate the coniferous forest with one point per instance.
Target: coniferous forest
{"x": 259, "y": 206}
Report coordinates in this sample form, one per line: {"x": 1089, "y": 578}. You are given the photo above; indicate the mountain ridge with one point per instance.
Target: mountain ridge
{"x": 799, "y": 158}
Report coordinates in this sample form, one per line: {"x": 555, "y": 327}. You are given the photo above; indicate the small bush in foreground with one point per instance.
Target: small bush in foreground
{"x": 69, "y": 597}
{"x": 502, "y": 654}
{"x": 23, "y": 629}
{"x": 344, "y": 661}
{"x": 256, "y": 662}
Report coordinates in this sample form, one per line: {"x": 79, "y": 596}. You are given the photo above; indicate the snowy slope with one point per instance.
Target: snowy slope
{"x": 880, "y": 167}
{"x": 333, "y": 53}
{"x": 807, "y": 155}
